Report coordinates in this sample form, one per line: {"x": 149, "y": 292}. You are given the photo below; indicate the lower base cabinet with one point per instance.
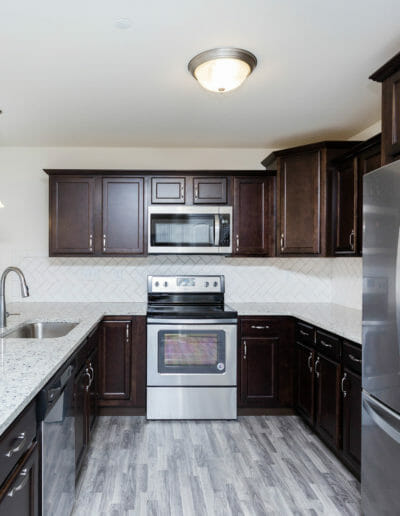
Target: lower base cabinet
{"x": 304, "y": 398}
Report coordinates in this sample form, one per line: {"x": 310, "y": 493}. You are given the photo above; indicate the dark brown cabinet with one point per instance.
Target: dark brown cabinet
{"x": 122, "y": 216}
{"x": 92, "y": 365}
{"x": 253, "y": 219}
{"x": 304, "y": 398}
{"x": 72, "y": 215}
{"x": 303, "y": 197}
{"x": 210, "y": 190}
{"x": 122, "y": 362}
{"x": 389, "y": 76}
{"x": 168, "y": 190}
{"x": 81, "y": 386}
{"x": 265, "y": 365}
{"x": 19, "y": 495}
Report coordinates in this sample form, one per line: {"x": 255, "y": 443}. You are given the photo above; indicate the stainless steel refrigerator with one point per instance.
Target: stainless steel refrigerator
{"x": 380, "y": 467}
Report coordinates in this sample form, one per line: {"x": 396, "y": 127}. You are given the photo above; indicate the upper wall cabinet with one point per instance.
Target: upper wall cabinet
{"x": 93, "y": 215}
{"x": 253, "y": 216}
{"x": 168, "y": 190}
{"x": 347, "y": 174}
{"x": 389, "y": 76}
{"x": 72, "y": 215}
{"x": 210, "y": 190}
{"x": 303, "y": 197}
{"x": 188, "y": 189}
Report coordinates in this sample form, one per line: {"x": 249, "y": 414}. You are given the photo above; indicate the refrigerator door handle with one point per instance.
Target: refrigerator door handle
{"x": 383, "y": 417}
{"x": 397, "y": 286}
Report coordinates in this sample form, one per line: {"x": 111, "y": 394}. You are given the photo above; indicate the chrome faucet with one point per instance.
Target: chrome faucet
{"x": 24, "y": 292}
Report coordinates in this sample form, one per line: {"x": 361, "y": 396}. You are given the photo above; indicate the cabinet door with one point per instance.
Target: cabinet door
{"x": 299, "y": 210}
{"x": 345, "y": 192}
{"x": 19, "y": 495}
{"x": 71, "y": 215}
{"x": 210, "y": 190}
{"x": 168, "y": 190}
{"x": 252, "y": 216}
{"x": 327, "y": 374}
{"x": 259, "y": 373}
{"x": 391, "y": 118}
{"x": 122, "y": 216}
{"x": 305, "y": 382}
{"x": 81, "y": 385}
{"x": 351, "y": 422}
{"x": 93, "y": 391}
{"x": 115, "y": 361}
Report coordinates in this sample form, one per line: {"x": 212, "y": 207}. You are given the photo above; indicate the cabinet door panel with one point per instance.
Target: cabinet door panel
{"x": 351, "y": 426}
{"x": 81, "y": 384}
{"x": 19, "y": 495}
{"x": 168, "y": 190}
{"x": 71, "y": 215}
{"x": 346, "y": 194}
{"x": 328, "y": 400}
{"x": 210, "y": 190}
{"x": 300, "y": 203}
{"x": 253, "y": 207}
{"x": 115, "y": 360}
{"x": 305, "y": 382}
{"x": 259, "y": 371}
{"x": 391, "y": 118}
{"x": 122, "y": 216}
{"x": 93, "y": 390}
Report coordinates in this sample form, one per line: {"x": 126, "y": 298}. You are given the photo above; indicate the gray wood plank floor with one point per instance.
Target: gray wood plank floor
{"x": 258, "y": 465}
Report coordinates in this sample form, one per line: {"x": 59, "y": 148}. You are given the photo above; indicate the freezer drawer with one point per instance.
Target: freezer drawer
{"x": 380, "y": 465}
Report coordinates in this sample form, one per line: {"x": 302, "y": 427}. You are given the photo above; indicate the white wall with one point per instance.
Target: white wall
{"x": 24, "y": 236}
{"x": 369, "y": 132}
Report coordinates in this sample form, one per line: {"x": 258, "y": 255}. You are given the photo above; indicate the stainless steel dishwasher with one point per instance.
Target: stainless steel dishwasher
{"x": 56, "y": 412}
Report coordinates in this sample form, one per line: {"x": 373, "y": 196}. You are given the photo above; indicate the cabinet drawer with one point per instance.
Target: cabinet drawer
{"x": 305, "y": 333}
{"x": 16, "y": 440}
{"x": 260, "y": 327}
{"x": 328, "y": 344}
{"x": 352, "y": 357}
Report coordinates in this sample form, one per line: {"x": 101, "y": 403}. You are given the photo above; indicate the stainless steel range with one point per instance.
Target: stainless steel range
{"x": 191, "y": 349}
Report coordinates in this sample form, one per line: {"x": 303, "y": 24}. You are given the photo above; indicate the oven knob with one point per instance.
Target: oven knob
{"x": 165, "y": 283}
{"x": 215, "y": 284}
{"x": 206, "y": 284}
{"x": 157, "y": 284}
{"x": 220, "y": 366}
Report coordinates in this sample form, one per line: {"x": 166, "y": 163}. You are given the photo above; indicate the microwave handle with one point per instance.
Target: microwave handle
{"x": 216, "y": 230}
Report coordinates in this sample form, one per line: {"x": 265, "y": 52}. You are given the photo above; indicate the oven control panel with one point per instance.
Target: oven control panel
{"x": 178, "y": 284}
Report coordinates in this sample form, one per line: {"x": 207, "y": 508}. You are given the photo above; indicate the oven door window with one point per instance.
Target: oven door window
{"x": 191, "y": 351}
{"x": 178, "y": 230}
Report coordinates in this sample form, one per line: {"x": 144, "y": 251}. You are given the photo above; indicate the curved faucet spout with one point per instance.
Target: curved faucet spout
{"x": 24, "y": 292}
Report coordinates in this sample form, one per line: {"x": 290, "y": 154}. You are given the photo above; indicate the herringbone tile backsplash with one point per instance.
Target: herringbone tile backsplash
{"x": 315, "y": 280}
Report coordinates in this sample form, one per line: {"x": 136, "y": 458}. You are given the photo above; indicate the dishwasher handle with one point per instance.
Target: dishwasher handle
{"x": 49, "y": 395}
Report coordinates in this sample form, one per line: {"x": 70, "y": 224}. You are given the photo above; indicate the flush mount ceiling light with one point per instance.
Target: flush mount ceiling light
{"x": 222, "y": 69}
{"x": 1, "y": 205}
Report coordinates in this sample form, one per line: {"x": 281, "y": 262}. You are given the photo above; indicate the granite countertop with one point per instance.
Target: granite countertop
{"x": 26, "y": 365}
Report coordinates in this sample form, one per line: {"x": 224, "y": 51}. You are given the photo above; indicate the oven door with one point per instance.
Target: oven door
{"x": 194, "y": 354}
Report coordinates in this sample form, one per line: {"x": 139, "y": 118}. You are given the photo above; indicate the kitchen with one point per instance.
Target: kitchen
{"x": 182, "y": 326}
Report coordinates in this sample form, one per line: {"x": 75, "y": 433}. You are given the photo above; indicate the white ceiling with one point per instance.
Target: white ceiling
{"x": 68, "y": 76}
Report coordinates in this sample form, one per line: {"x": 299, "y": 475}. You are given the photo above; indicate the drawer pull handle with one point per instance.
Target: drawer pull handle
{"x": 342, "y": 385}
{"x": 21, "y": 440}
{"x": 88, "y": 375}
{"x": 25, "y": 476}
{"x": 127, "y": 333}
{"x": 326, "y": 344}
{"x": 304, "y": 333}
{"x": 245, "y": 350}
{"x": 316, "y": 368}
{"x": 253, "y": 327}
{"x": 309, "y": 362}
{"x": 354, "y": 359}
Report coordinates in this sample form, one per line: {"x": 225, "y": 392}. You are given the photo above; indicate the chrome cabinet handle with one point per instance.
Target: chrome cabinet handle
{"x": 342, "y": 385}
{"x": 87, "y": 374}
{"x": 90, "y": 242}
{"x": 282, "y": 241}
{"x": 326, "y": 344}
{"x": 259, "y": 327}
{"x": 351, "y": 240}
{"x": 104, "y": 242}
{"x": 90, "y": 370}
{"x": 316, "y": 368}
{"x": 354, "y": 359}
{"x": 196, "y": 193}
{"x": 127, "y": 333}
{"x": 309, "y": 362}
{"x": 182, "y": 192}
{"x": 237, "y": 242}
{"x": 21, "y": 441}
{"x": 25, "y": 477}
{"x": 245, "y": 350}
{"x": 304, "y": 333}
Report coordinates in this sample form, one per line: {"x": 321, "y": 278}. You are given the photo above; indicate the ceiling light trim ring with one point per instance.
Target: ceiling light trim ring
{"x": 220, "y": 53}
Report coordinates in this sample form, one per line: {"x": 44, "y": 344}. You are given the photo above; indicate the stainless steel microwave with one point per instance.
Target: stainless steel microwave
{"x": 190, "y": 229}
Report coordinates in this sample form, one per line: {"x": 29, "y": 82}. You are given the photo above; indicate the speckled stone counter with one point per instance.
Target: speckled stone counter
{"x": 337, "y": 319}
{"x": 26, "y": 365}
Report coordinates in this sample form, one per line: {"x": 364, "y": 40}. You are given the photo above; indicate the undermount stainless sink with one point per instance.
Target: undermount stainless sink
{"x": 41, "y": 330}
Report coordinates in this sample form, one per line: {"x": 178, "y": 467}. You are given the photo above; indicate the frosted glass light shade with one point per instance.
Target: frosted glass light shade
{"x": 222, "y": 69}
{"x": 1, "y": 205}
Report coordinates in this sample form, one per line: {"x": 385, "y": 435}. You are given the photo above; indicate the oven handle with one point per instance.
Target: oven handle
{"x": 216, "y": 229}
{"x": 173, "y": 321}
